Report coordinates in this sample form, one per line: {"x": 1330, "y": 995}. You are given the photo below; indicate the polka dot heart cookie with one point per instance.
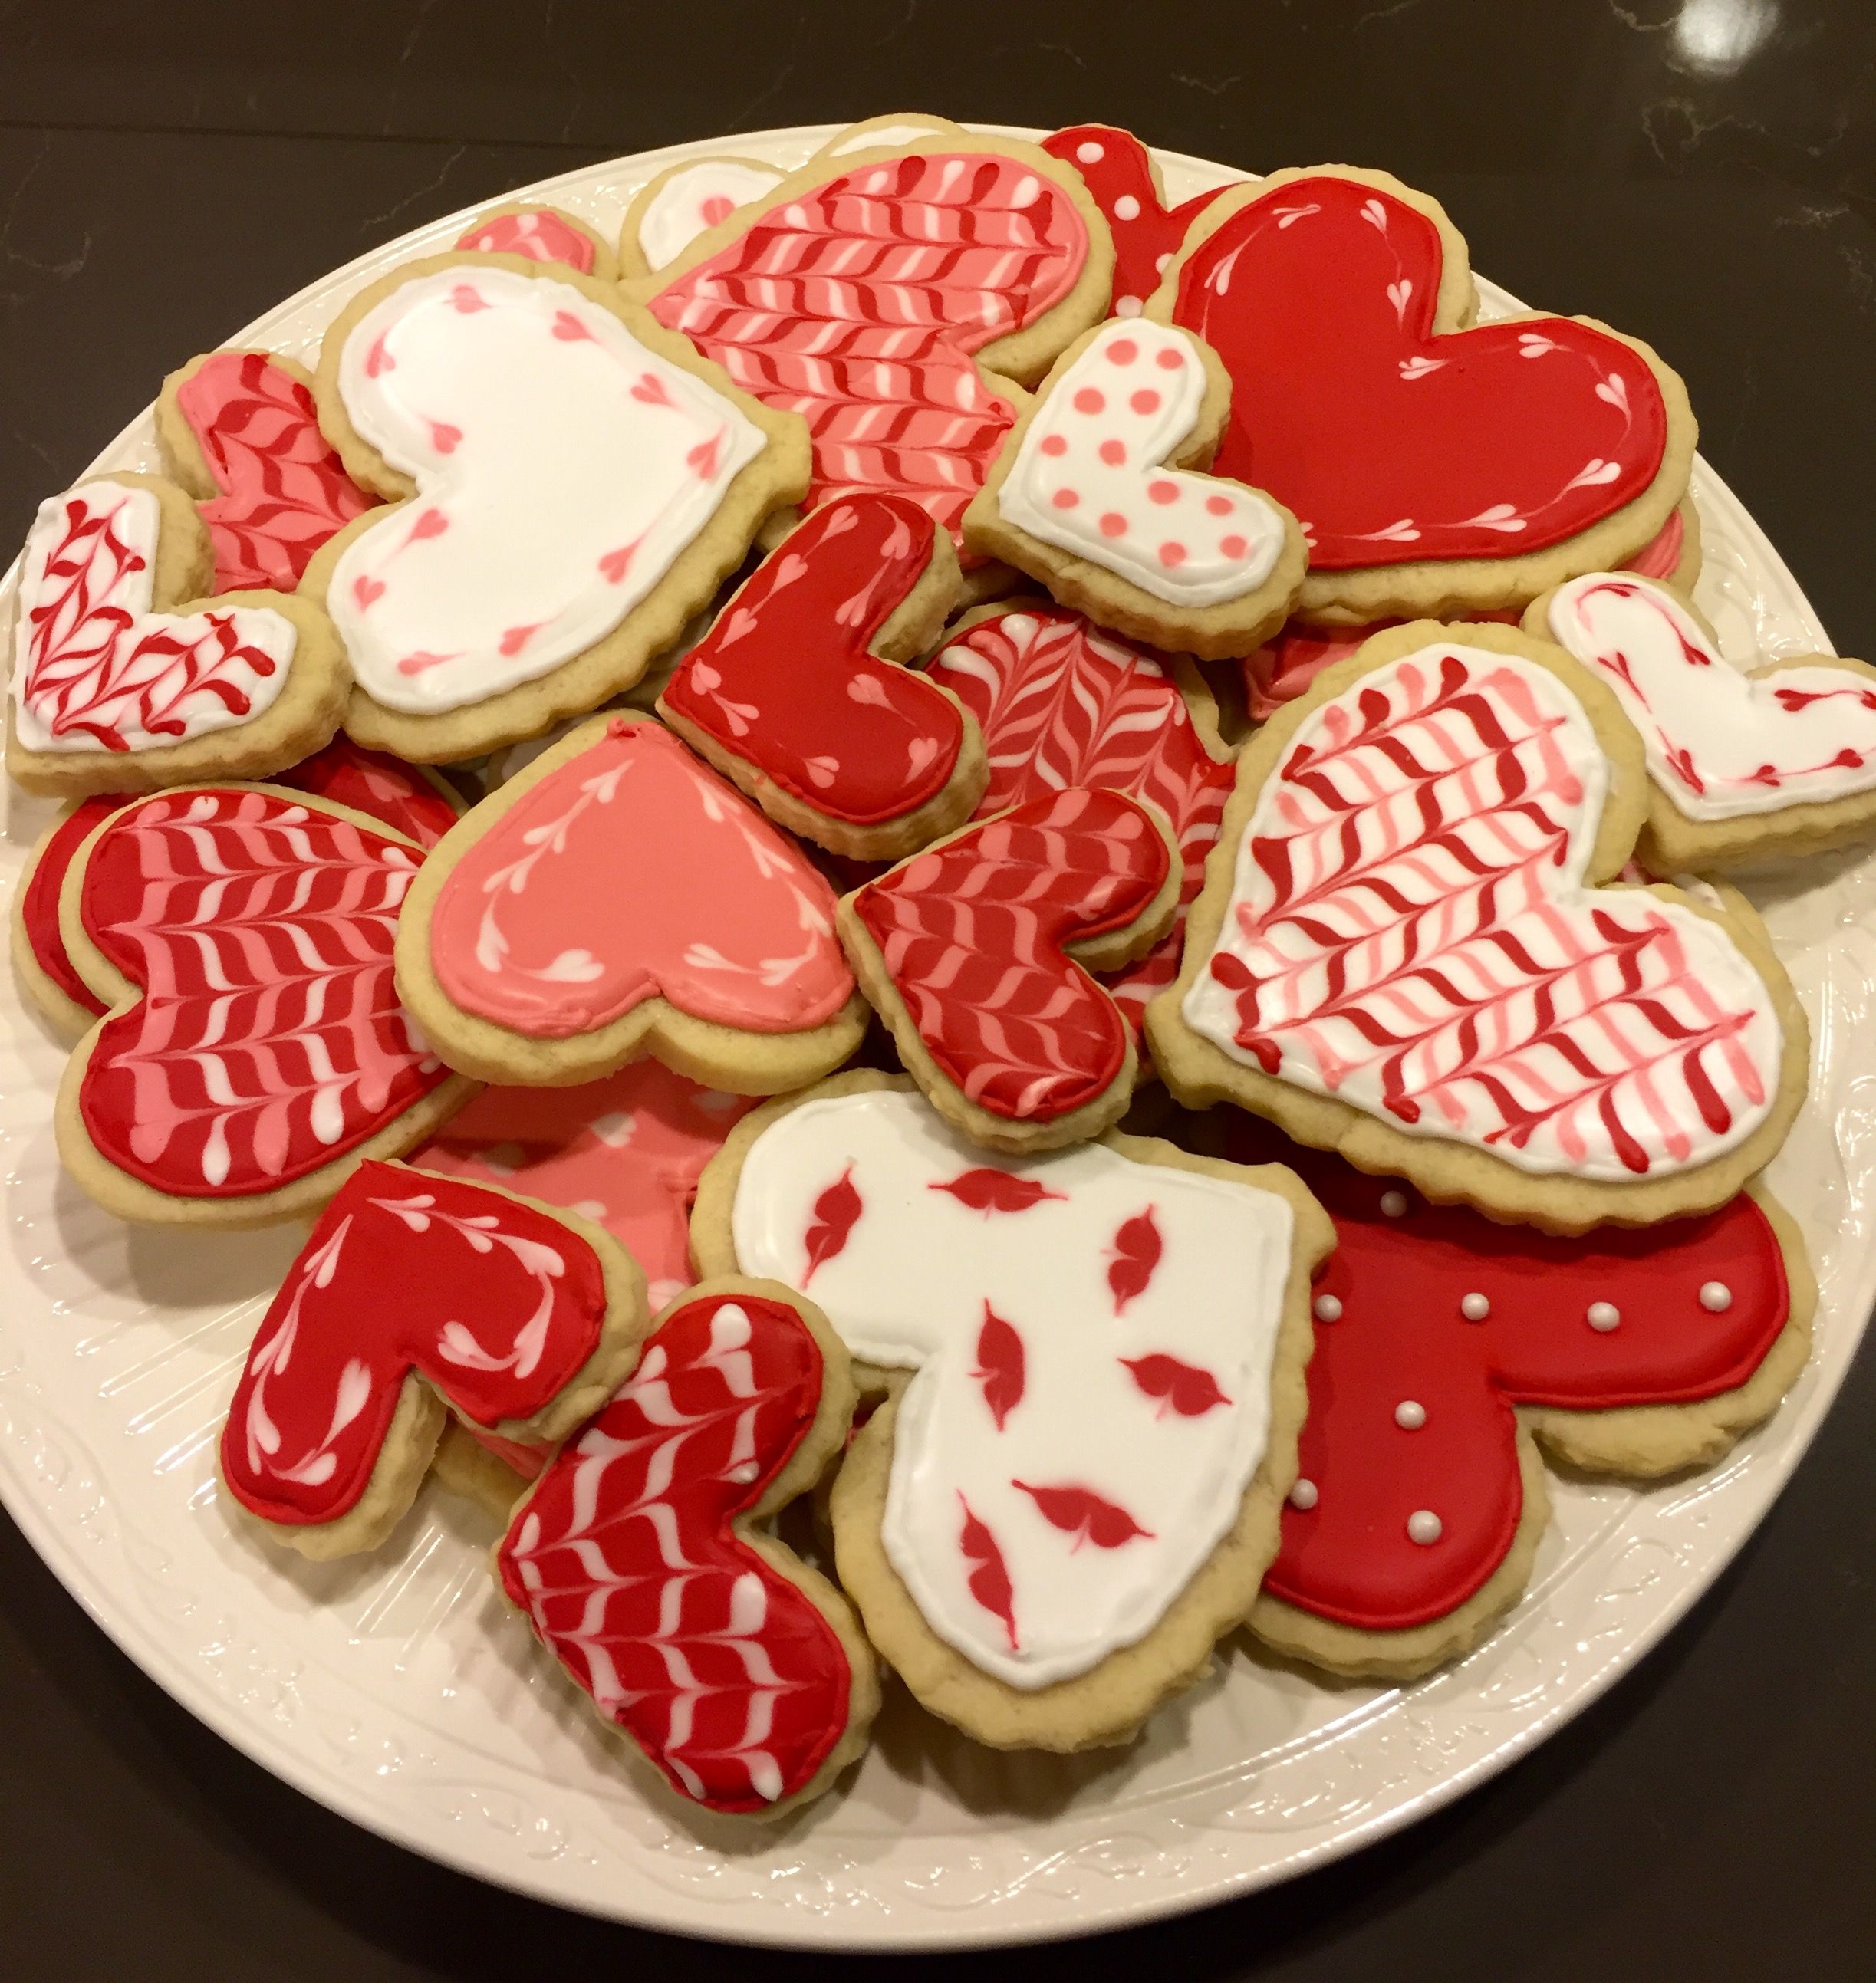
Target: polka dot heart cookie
{"x": 1450, "y": 1352}
{"x": 1097, "y": 494}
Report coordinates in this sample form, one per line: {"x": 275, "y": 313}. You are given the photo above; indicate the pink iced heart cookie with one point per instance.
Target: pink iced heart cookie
{"x": 255, "y": 1048}
{"x": 1739, "y": 765}
{"x": 126, "y": 678}
{"x": 539, "y": 234}
{"x": 1437, "y": 465}
{"x": 1099, "y": 1351}
{"x": 240, "y": 432}
{"x": 418, "y": 1295}
{"x": 1096, "y": 493}
{"x": 1448, "y": 1349}
{"x": 1060, "y": 703}
{"x": 570, "y": 483}
{"x": 914, "y": 284}
{"x": 793, "y": 695}
{"x": 737, "y": 1669}
{"x": 1410, "y": 957}
{"x": 615, "y": 898}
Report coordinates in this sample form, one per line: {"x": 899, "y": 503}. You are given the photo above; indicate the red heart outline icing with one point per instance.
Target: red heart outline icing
{"x": 1318, "y": 296}
{"x": 904, "y": 269}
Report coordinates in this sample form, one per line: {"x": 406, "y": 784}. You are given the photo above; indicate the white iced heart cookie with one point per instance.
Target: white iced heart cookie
{"x": 1781, "y": 761}
{"x": 125, "y": 679}
{"x": 1096, "y": 494}
{"x": 1098, "y": 1348}
{"x": 1405, "y": 955}
{"x": 579, "y": 482}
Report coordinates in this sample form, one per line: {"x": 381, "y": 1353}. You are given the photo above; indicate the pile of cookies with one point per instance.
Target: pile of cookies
{"x": 706, "y": 1087}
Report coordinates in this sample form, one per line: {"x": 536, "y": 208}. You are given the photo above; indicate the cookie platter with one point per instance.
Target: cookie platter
{"x": 398, "y": 1688}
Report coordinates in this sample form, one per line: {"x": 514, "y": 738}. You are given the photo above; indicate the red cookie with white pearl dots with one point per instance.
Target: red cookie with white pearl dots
{"x": 1450, "y": 1352}
{"x": 1099, "y": 494}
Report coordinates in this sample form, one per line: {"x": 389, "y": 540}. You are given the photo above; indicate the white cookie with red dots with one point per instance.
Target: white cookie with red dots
{"x": 1777, "y": 759}
{"x": 1095, "y": 1364}
{"x": 567, "y": 483}
{"x": 1099, "y": 494}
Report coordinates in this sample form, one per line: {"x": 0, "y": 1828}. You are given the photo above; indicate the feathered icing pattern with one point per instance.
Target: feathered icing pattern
{"x": 1405, "y": 923}
{"x": 1138, "y": 1248}
{"x": 539, "y": 234}
{"x": 1061, "y": 703}
{"x": 836, "y": 1212}
{"x": 984, "y": 1189}
{"x": 1001, "y": 1365}
{"x": 94, "y": 664}
{"x": 988, "y": 1580}
{"x": 269, "y": 1039}
{"x": 721, "y": 1668}
{"x": 496, "y": 1304}
{"x": 971, "y": 932}
{"x": 284, "y": 489}
{"x": 857, "y": 305}
{"x": 1086, "y": 1515}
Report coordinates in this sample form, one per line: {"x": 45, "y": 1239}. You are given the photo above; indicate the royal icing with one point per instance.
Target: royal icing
{"x": 970, "y": 934}
{"x": 1089, "y": 475}
{"x": 536, "y": 233}
{"x": 366, "y": 781}
{"x": 885, "y": 134}
{"x": 784, "y": 680}
{"x": 626, "y": 1561}
{"x": 1061, "y": 703}
{"x": 1721, "y": 746}
{"x": 632, "y": 871}
{"x": 1443, "y": 1322}
{"x": 857, "y": 305}
{"x": 269, "y": 1039}
{"x": 1120, "y": 176}
{"x": 1391, "y": 443}
{"x": 1282, "y": 669}
{"x": 691, "y": 202}
{"x": 561, "y": 466}
{"x": 284, "y": 489}
{"x": 1409, "y": 930}
{"x": 494, "y": 1304}
{"x": 95, "y": 669}
{"x": 625, "y": 1152}
{"x": 1093, "y": 1340}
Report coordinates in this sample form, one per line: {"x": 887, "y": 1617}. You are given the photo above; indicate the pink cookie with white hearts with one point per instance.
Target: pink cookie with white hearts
{"x": 1094, "y": 1361}
{"x": 1098, "y": 494}
{"x": 1409, "y": 948}
{"x": 1742, "y": 766}
{"x": 126, "y": 677}
{"x": 539, "y": 234}
{"x": 568, "y": 482}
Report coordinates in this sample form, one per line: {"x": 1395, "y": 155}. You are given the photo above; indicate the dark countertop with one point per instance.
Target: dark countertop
{"x": 1701, "y": 173}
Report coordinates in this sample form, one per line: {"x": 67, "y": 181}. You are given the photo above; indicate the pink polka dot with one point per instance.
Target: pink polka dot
{"x": 1233, "y": 547}
{"x": 1114, "y": 454}
{"x": 1113, "y": 524}
{"x": 1065, "y": 499}
{"x": 1088, "y": 401}
{"x": 1123, "y": 351}
{"x": 1145, "y": 401}
{"x": 1171, "y": 554}
{"x": 1170, "y": 360}
{"x": 1219, "y": 505}
{"x": 1054, "y": 444}
{"x": 1163, "y": 492}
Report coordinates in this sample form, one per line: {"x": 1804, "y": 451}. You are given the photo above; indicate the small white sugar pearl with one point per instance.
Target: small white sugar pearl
{"x": 1410, "y": 1415}
{"x": 1303, "y": 1495}
{"x": 1328, "y": 1308}
{"x": 1424, "y": 1527}
{"x": 1394, "y": 1204}
{"x": 1475, "y": 1308}
{"x": 1603, "y": 1317}
{"x": 1716, "y": 1297}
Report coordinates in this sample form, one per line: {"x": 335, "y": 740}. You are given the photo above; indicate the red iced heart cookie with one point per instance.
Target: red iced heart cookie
{"x": 891, "y": 276}
{"x": 1338, "y": 302}
{"x": 617, "y": 897}
{"x": 1059, "y": 704}
{"x": 415, "y": 1292}
{"x": 786, "y": 695}
{"x": 243, "y": 940}
{"x": 1633, "y": 1352}
{"x": 969, "y": 951}
{"x": 239, "y": 432}
{"x": 1120, "y": 174}
{"x": 399, "y": 795}
{"x": 738, "y": 1671}
{"x": 1410, "y": 955}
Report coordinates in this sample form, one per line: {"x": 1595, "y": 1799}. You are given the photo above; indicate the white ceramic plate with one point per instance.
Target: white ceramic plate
{"x": 399, "y": 1691}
